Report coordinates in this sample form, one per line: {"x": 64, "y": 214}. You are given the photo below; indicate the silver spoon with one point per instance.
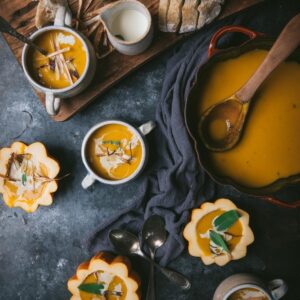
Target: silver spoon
{"x": 154, "y": 235}
{"x": 128, "y": 244}
{"x": 5, "y": 27}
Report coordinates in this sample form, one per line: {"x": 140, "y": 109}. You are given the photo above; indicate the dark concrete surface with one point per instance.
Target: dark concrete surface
{"x": 40, "y": 251}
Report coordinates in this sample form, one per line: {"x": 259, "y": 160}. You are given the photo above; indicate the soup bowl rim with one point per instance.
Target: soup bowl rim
{"x": 25, "y": 52}
{"x": 136, "y": 171}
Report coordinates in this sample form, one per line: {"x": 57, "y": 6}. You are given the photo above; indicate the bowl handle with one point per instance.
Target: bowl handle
{"x": 212, "y": 48}
{"x": 278, "y": 288}
{"x": 63, "y": 16}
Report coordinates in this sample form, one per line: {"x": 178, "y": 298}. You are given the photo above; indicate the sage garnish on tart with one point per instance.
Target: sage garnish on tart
{"x": 226, "y": 220}
{"x": 93, "y": 288}
{"x": 217, "y": 241}
{"x": 219, "y": 236}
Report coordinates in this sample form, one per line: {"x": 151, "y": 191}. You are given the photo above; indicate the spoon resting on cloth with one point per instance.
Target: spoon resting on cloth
{"x": 128, "y": 244}
{"x": 6, "y": 28}
{"x": 221, "y": 125}
{"x": 154, "y": 236}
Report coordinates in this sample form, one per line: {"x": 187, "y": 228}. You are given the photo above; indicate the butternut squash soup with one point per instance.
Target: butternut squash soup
{"x": 65, "y": 62}
{"x": 270, "y": 146}
{"x": 248, "y": 294}
{"x": 114, "y": 151}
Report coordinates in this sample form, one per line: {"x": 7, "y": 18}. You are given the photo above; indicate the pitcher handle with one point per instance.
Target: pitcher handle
{"x": 278, "y": 288}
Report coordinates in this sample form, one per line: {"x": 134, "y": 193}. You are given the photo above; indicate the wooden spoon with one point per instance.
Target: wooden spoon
{"x": 220, "y": 126}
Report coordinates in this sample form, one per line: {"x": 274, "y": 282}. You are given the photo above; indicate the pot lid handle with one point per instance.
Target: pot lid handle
{"x": 212, "y": 48}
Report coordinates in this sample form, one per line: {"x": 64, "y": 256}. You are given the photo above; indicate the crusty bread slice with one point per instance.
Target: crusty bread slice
{"x": 162, "y": 15}
{"x": 174, "y": 15}
{"x": 208, "y": 11}
{"x": 189, "y": 16}
{"x": 46, "y": 11}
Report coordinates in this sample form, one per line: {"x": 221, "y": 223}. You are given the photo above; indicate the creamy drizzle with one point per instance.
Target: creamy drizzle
{"x": 119, "y": 157}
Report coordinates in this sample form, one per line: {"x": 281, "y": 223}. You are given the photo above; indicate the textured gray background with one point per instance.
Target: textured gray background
{"x": 40, "y": 251}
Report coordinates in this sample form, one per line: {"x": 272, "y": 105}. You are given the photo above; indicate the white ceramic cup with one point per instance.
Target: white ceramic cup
{"x": 274, "y": 289}
{"x": 53, "y": 96}
{"x": 141, "y": 132}
{"x": 127, "y": 47}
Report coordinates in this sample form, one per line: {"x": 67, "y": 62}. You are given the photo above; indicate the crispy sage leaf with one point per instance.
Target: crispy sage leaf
{"x": 93, "y": 288}
{"x": 116, "y": 143}
{"x": 24, "y": 179}
{"x": 226, "y": 220}
{"x": 217, "y": 239}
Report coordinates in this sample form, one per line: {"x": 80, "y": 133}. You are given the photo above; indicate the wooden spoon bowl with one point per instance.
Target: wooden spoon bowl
{"x": 231, "y": 114}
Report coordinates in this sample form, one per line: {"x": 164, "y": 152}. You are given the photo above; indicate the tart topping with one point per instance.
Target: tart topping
{"x": 115, "y": 153}
{"x": 102, "y": 285}
{"x": 26, "y": 173}
{"x": 217, "y": 235}
{"x": 218, "y": 232}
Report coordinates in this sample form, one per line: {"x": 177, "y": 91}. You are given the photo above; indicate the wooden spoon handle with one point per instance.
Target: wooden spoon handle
{"x": 285, "y": 44}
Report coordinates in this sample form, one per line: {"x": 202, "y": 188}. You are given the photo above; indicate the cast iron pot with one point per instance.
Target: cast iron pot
{"x": 256, "y": 41}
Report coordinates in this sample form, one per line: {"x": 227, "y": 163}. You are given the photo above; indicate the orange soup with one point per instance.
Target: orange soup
{"x": 269, "y": 148}
{"x": 65, "y": 62}
{"x": 114, "y": 151}
{"x": 248, "y": 294}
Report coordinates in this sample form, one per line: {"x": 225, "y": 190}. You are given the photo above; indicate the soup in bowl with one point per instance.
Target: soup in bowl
{"x": 114, "y": 152}
{"x": 68, "y": 68}
{"x": 65, "y": 63}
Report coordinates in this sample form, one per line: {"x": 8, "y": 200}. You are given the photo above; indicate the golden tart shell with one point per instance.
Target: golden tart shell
{"x": 38, "y": 150}
{"x": 190, "y": 233}
{"x": 116, "y": 265}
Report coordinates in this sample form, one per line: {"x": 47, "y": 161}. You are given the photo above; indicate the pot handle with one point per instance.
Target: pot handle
{"x": 279, "y": 203}
{"x": 212, "y": 48}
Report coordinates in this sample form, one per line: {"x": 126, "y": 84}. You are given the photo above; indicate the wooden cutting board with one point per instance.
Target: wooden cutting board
{"x": 111, "y": 69}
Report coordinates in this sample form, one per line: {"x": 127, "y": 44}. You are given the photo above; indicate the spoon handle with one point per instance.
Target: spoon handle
{"x": 177, "y": 278}
{"x": 174, "y": 276}
{"x": 285, "y": 44}
{"x": 151, "y": 285}
{"x": 6, "y": 28}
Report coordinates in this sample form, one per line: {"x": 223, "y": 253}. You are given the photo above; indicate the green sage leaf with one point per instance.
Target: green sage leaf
{"x": 116, "y": 143}
{"x": 217, "y": 239}
{"x": 24, "y": 179}
{"x": 92, "y": 288}
{"x": 226, "y": 220}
